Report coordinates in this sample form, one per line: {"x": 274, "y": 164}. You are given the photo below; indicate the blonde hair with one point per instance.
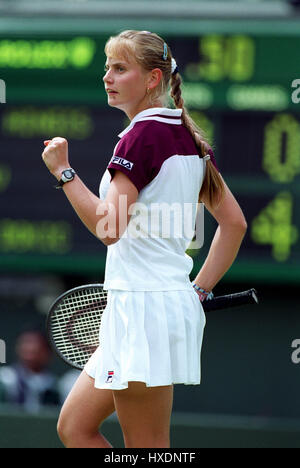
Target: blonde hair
{"x": 147, "y": 49}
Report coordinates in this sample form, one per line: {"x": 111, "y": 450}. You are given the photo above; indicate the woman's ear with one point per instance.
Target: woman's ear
{"x": 155, "y": 78}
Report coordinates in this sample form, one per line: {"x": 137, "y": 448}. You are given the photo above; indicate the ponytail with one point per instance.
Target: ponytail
{"x": 213, "y": 185}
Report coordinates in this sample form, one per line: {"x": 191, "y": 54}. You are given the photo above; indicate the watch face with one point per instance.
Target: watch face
{"x": 68, "y": 174}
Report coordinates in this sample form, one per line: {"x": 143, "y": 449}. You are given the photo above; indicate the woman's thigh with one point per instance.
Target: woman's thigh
{"x": 144, "y": 414}
{"x": 85, "y": 407}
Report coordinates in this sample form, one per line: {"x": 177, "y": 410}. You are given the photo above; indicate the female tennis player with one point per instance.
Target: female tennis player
{"x": 152, "y": 328}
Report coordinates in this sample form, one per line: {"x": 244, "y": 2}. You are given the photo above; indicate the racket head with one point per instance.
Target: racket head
{"x": 73, "y": 323}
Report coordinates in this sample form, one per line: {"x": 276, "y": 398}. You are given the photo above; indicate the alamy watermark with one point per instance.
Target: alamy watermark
{"x": 183, "y": 221}
{"x": 2, "y": 92}
{"x": 295, "y": 356}
{"x": 296, "y": 93}
{"x": 2, "y": 352}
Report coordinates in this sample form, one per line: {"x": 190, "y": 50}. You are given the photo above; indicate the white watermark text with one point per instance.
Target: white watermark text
{"x": 154, "y": 220}
{"x": 296, "y": 93}
{"x": 296, "y": 354}
{"x": 2, "y": 352}
{"x": 2, "y": 92}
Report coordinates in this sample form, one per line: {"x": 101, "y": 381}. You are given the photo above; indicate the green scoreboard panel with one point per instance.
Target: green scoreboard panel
{"x": 242, "y": 89}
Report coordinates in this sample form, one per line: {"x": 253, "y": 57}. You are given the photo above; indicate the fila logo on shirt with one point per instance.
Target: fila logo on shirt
{"x": 122, "y": 162}
{"x": 110, "y": 375}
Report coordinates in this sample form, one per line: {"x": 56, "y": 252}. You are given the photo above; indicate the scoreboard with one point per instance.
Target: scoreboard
{"x": 242, "y": 89}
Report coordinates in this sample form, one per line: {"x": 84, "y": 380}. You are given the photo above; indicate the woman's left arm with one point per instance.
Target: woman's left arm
{"x": 106, "y": 219}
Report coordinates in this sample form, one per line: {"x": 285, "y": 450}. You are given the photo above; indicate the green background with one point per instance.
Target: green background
{"x": 250, "y": 386}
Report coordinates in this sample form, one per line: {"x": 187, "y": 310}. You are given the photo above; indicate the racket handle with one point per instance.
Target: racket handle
{"x": 231, "y": 300}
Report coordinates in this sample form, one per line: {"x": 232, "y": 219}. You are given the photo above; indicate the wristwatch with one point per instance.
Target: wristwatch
{"x": 67, "y": 176}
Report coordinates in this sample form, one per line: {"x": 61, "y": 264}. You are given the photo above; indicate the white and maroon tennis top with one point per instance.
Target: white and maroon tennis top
{"x": 158, "y": 154}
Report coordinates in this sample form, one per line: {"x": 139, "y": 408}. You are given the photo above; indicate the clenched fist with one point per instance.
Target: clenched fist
{"x": 56, "y": 156}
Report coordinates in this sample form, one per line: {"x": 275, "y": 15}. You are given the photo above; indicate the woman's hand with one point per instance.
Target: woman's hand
{"x": 56, "y": 156}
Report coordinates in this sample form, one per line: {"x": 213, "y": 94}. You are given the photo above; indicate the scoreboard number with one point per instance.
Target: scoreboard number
{"x": 273, "y": 226}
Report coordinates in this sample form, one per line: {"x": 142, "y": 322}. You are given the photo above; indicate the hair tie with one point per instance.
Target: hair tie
{"x": 165, "y": 54}
{"x": 174, "y": 67}
{"x": 207, "y": 157}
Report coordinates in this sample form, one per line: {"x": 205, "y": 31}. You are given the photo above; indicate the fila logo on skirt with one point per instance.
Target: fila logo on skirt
{"x": 110, "y": 375}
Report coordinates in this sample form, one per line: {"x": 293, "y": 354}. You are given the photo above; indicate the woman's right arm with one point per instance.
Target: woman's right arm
{"x": 225, "y": 246}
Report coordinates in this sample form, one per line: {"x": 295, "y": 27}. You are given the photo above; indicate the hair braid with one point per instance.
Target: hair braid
{"x": 213, "y": 184}
{"x": 176, "y": 82}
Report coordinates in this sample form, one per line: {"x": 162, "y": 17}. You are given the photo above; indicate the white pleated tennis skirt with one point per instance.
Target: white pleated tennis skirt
{"x": 151, "y": 337}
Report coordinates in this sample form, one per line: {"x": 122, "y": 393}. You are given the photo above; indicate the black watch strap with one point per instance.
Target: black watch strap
{"x": 60, "y": 184}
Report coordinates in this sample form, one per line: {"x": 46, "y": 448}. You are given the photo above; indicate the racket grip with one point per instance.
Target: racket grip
{"x": 231, "y": 300}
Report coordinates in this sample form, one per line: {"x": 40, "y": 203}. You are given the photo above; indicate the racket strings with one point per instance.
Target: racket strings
{"x": 75, "y": 325}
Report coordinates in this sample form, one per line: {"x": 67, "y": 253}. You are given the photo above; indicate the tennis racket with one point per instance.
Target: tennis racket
{"x": 74, "y": 320}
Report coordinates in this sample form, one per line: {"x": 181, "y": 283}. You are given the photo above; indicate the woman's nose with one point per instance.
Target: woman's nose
{"x": 107, "y": 77}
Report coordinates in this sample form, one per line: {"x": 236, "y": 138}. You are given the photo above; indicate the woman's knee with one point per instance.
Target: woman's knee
{"x": 83, "y": 412}
{"x": 65, "y": 429}
{"x": 70, "y": 430}
{"x": 74, "y": 435}
{"x": 71, "y": 433}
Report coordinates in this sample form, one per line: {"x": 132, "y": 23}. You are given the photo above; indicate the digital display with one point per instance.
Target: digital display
{"x": 240, "y": 72}
{"x": 36, "y": 220}
{"x": 238, "y": 88}
{"x": 268, "y": 165}
{"x": 259, "y": 156}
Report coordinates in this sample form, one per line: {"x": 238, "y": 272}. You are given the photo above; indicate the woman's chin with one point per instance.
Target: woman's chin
{"x": 113, "y": 102}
